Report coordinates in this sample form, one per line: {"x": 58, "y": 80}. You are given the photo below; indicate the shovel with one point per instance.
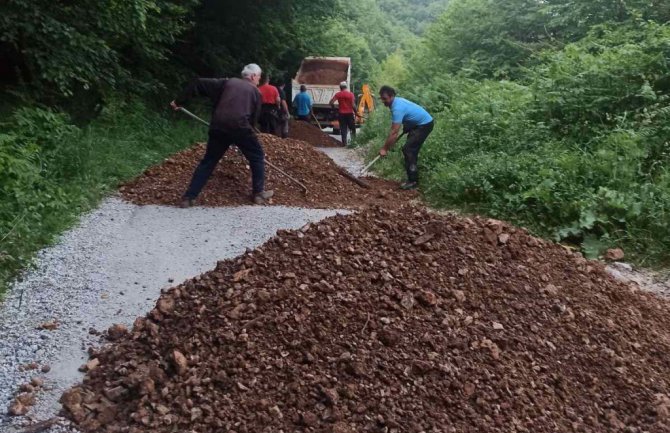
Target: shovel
{"x": 367, "y": 167}
{"x": 302, "y": 186}
{"x": 317, "y": 120}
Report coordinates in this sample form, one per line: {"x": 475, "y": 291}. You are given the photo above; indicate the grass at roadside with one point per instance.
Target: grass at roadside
{"x": 593, "y": 198}
{"x": 52, "y": 171}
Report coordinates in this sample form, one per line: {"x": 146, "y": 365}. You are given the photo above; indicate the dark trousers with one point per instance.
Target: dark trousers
{"x": 268, "y": 119}
{"x": 284, "y": 125}
{"x": 218, "y": 143}
{"x": 347, "y": 123}
{"x": 304, "y": 118}
{"x": 415, "y": 139}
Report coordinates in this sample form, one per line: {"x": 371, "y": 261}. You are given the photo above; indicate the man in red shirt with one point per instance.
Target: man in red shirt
{"x": 270, "y": 107}
{"x": 346, "y": 103}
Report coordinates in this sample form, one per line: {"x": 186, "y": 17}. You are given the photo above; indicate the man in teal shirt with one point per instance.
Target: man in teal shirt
{"x": 303, "y": 104}
{"x": 418, "y": 125}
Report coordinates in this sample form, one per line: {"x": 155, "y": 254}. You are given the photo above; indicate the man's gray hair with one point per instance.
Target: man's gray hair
{"x": 251, "y": 69}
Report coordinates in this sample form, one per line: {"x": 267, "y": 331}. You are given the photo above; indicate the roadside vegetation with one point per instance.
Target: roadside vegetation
{"x": 51, "y": 171}
{"x": 554, "y": 115}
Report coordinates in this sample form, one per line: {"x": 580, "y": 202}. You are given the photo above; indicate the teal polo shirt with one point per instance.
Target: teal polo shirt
{"x": 408, "y": 113}
{"x": 303, "y": 104}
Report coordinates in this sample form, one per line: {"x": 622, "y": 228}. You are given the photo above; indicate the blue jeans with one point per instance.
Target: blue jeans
{"x": 218, "y": 143}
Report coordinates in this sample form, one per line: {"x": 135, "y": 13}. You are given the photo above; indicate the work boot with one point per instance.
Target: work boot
{"x": 261, "y": 197}
{"x": 186, "y": 202}
{"x": 409, "y": 185}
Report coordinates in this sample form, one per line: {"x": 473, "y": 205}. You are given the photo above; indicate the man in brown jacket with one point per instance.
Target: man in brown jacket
{"x": 236, "y": 105}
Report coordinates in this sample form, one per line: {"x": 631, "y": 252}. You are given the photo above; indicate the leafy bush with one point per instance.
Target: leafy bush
{"x": 577, "y": 148}
{"x": 60, "y": 47}
{"x": 51, "y": 171}
{"x": 610, "y": 76}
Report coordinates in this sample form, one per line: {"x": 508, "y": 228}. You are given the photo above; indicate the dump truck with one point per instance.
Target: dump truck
{"x": 322, "y": 76}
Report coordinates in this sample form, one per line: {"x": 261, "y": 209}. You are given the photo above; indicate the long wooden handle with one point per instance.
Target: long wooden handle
{"x": 353, "y": 178}
{"x": 317, "y": 121}
{"x": 304, "y": 188}
{"x": 185, "y": 111}
{"x": 367, "y": 167}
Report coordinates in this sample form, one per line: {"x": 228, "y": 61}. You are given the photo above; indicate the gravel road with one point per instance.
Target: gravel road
{"x": 110, "y": 269}
{"x": 350, "y": 159}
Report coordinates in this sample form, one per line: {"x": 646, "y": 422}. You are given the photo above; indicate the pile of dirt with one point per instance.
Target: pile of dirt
{"x": 299, "y": 130}
{"x": 323, "y": 72}
{"x": 230, "y": 184}
{"x": 390, "y": 321}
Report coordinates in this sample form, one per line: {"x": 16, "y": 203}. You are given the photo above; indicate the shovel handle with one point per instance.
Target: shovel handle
{"x": 188, "y": 113}
{"x": 304, "y": 188}
{"x": 317, "y": 121}
{"x": 367, "y": 167}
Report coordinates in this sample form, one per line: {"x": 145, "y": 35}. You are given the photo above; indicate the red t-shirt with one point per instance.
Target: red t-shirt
{"x": 346, "y": 100}
{"x": 269, "y": 94}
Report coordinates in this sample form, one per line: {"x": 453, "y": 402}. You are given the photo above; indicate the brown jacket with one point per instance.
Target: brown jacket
{"x": 236, "y": 103}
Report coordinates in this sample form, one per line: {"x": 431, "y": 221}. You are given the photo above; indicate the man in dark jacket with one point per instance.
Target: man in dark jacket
{"x": 236, "y": 105}
{"x": 284, "y": 115}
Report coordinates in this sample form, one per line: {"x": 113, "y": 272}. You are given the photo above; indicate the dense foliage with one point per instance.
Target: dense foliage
{"x": 51, "y": 171}
{"x": 61, "y": 47}
{"x": 552, "y": 114}
{"x": 416, "y": 15}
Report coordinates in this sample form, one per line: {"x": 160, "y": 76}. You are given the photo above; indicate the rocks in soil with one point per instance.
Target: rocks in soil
{"x": 304, "y": 131}
{"x": 614, "y": 254}
{"x": 180, "y": 362}
{"x": 116, "y": 332}
{"x": 21, "y": 404}
{"x": 230, "y": 184}
{"x": 50, "y": 325}
{"x": 29, "y": 366}
{"x": 367, "y": 331}
{"x": 91, "y": 365}
{"x": 16, "y": 408}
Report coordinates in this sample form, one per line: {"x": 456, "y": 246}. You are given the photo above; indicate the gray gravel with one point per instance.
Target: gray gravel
{"x": 652, "y": 281}
{"x": 110, "y": 269}
{"x": 351, "y": 159}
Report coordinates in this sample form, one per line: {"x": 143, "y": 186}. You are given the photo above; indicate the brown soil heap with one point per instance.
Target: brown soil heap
{"x": 230, "y": 184}
{"x": 299, "y": 130}
{"x": 323, "y": 72}
{"x": 390, "y": 321}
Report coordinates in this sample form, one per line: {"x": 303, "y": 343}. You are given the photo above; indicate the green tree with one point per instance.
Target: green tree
{"x": 572, "y": 19}
{"x": 59, "y": 47}
{"x": 416, "y": 15}
{"x": 486, "y": 38}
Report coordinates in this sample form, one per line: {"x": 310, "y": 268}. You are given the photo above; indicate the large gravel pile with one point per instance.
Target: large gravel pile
{"x": 386, "y": 321}
{"x": 303, "y": 131}
{"x": 164, "y": 184}
{"x": 110, "y": 269}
